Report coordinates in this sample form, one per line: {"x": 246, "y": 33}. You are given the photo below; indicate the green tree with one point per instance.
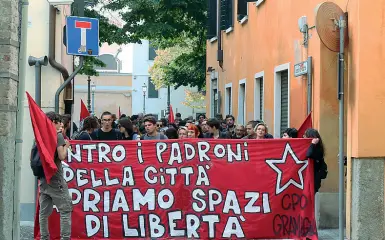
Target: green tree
{"x": 194, "y": 100}
{"x": 169, "y": 23}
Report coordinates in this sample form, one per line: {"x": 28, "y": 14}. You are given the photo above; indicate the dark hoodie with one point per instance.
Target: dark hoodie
{"x": 316, "y": 153}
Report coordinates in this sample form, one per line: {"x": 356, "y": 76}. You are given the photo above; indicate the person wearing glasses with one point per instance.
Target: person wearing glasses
{"x": 107, "y": 132}
{"x": 161, "y": 125}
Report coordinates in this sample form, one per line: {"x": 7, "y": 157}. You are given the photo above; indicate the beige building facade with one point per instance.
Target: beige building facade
{"x": 112, "y": 90}
{"x": 38, "y": 46}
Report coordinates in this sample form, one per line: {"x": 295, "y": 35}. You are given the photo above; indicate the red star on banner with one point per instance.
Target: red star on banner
{"x": 288, "y": 169}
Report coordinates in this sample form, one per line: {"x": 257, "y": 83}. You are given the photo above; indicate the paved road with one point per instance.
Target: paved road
{"x": 26, "y": 232}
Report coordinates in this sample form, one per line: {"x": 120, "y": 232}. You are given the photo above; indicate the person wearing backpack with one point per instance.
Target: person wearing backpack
{"x": 316, "y": 152}
{"x": 106, "y": 132}
{"x": 56, "y": 192}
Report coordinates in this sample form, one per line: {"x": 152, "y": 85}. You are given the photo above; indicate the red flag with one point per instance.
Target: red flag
{"x": 308, "y": 123}
{"x": 171, "y": 118}
{"x": 45, "y": 137}
{"x": 83, "y": 111}
{"x": 119, "y": 114}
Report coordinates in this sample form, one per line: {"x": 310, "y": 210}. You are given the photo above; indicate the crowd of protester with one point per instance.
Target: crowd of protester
{"x": 147, "y": 127}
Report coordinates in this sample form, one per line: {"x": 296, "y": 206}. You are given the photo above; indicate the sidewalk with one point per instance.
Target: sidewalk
{"x": 329, "y": 234}
{"x": 26, "y": 232}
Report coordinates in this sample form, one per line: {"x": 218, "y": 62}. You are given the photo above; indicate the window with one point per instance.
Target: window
{"x": 214, "y": 96}
{"x": 258, "y": 96}
{"x": 228, "y": 99}
{"x": 151, "y": 52}
{"x": 110, "y": 61}
{"x": 152, "y": 92}
{"x": 227, "y": 14}
{"x": 242, "y": 102}
{"x": 212, "y": 19}
{"x": 243, "y": 10}
{"x": 281, "y": 99}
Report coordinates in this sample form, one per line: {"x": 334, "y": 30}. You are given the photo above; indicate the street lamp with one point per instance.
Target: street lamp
{"x": 144, "y": 89}
{"x": 93, "y": 89}
{"x": 89, "y": 94}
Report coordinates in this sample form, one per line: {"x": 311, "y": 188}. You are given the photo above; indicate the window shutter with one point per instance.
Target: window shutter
{"x": 211, "y": 19}
{"x": 152, "y": 92}
{"x": 284, "y": 101}
{"x": 231, "y": 13}
{"x": 242, "y": 9}
{"x": 224, "y": 14}
{"x": 151, "y": 52}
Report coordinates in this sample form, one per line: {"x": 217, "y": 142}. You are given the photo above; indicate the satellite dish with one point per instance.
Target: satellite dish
{"x": 327, "y": 17}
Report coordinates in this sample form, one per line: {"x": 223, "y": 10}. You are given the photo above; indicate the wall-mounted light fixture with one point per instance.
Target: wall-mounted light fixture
{"x": 304, "y": 28}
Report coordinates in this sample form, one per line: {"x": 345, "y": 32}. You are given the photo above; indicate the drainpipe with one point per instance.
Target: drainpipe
{"x": 66, "y": 82}
{"x": 219, "y": 33}
{"x": 20, "y": 119}
{"x": 38, "y": 62}
{"x": 309, "y": 83}
{"x": 80, "y": 8}
{"x": 52, "y": 39}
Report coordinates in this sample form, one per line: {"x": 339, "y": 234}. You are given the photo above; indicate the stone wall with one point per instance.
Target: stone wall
{"x": 9, "y": 51}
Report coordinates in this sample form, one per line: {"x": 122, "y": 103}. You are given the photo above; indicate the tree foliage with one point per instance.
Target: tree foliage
{"x": 177, "y": 27}
{"x": 162, "y": 64}
{"x": 194, "y": 100}
{"x": 160, "y": 19}
{"x": 173, "y": 26}
{"x": 89, "y": 66}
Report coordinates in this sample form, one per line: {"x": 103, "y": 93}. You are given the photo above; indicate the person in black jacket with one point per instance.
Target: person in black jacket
{"x": 213, "y": 126}
{"x": 127, "y": 129}
{"x": 90, "y": 123}
{"x": 316, "y": 152}
{"x": 106, "y": 132}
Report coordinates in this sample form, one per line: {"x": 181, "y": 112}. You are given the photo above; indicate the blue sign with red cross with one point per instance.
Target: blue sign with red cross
{"x": 82, "y": 36}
